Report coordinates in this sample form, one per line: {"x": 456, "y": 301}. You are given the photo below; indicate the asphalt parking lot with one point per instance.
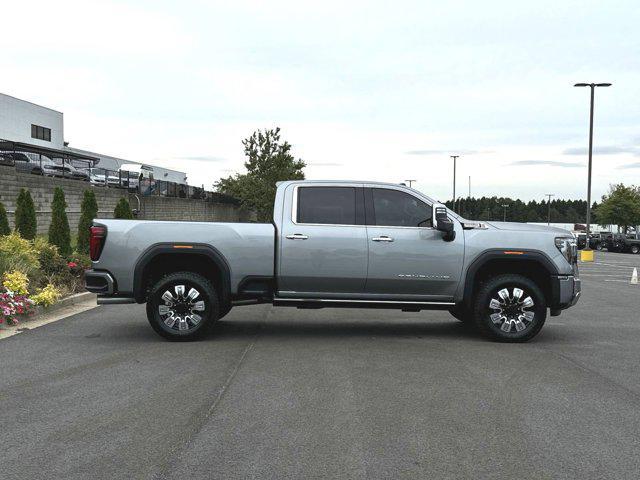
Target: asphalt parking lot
{"x": 284, "y": 393}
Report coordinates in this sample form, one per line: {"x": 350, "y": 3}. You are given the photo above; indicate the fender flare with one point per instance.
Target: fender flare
{"x": 523, "y": 255}
{"x": 186, "y": 249}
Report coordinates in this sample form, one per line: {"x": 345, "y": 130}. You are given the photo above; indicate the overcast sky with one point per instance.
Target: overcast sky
{"x": 362, "y": 90}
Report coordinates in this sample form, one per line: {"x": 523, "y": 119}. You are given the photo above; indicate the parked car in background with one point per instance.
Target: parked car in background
{"x": 132, "y": 173}
{"x": 27, "y": 162}
{"x": 65, "y": 170}
{"x": 595, "y": 241}
{"x": 100, "y": 176}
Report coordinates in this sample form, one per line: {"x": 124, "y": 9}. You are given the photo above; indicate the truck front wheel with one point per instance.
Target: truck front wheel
{"x": 509, "y": 308}
{"x": 182, "y": 306}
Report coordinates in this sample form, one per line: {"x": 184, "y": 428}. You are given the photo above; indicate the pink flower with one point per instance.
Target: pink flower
{"x": 72, "y": 264}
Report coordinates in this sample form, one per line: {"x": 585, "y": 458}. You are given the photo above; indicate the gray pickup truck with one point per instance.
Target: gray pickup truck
{"x": 338, "y": 244}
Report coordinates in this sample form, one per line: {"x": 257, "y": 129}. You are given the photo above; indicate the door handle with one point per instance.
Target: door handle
{"x": 382, "y": 238}
{"x": 297, "y": 236}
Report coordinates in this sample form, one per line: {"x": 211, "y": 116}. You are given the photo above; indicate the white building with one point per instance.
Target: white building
{"x": 30, "y": 127}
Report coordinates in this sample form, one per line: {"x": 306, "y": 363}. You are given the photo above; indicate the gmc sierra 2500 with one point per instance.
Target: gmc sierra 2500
{"x": 338, "y": 244}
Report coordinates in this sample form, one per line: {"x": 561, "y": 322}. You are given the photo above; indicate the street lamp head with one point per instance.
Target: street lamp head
{"x": 603, "y": 84}
{"x": 582, "y": 85}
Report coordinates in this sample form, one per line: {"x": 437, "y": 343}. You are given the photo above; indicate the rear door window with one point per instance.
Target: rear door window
{"x": 327, "y": 205}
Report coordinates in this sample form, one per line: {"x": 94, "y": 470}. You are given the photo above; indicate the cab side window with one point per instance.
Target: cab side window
{"x": 327, "y": 205}
{"x": 393, "y": 208}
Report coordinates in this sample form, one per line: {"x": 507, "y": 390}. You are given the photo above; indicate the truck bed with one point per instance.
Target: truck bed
{"x": 248, "y": 248}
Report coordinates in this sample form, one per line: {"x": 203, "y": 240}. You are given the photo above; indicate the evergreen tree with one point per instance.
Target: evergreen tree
{"x": 123, "y": 210}
{"x": 59, "y": 233}
{"x": 88, "y": 211}
{"x": 4, "y": 221}
{"x": 26, "y": 224}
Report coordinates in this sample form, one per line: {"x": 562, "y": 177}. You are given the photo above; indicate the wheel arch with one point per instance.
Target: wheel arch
{"x": 164, "y": 258}
{"x": 533, "y": 264}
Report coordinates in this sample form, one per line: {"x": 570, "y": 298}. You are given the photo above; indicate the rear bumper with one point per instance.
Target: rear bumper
{"x": 99, "y": 282}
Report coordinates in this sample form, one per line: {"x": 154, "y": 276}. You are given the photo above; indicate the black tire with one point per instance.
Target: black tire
{"x": 635, "y": 249}
{"x": 462, "y": 314}
{"x": 514, "y": 311}
{"x": 207, "y": 312}
{"x": 599, "y": 247}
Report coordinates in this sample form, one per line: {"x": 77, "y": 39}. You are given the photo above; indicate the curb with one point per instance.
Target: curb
{"x": 65, "y": 302}
{"x": 45, "y": 315}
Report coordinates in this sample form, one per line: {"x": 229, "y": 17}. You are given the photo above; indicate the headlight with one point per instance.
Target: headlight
{"x": 568, "y": 249}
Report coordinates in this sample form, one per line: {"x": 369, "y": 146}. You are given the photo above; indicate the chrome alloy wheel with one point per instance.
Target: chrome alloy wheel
{"x": 510, "y": 310}
{"x": 179, "y": 311}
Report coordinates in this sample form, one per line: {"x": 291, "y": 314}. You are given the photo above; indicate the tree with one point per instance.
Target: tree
{"x": 4, "y": 221}
{"x": 88, "y": 211}
{"x": 59, "y": 233}
{"x": 26, "y": 224}
{"x": 123, "y": 210}
{"x": 269, "y": 161}
{"x": 621, "y": 206}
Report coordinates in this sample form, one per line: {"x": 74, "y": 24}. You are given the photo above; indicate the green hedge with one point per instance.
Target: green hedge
{"x": 26, "y": 224}
{"x": 59, "y": 233}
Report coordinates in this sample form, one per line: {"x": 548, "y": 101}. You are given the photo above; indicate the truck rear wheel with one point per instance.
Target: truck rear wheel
{"x": 635, "y": 249}
{"x": 510, "y": 308}
{"x": 182, "y": 306}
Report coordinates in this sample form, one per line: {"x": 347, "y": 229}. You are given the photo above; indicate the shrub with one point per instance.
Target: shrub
{"x": 4, "y": 221}
{"x": 46, "y": 296}
{"x": 59, "y": 233}
{"x": 26, "y": 224}
{"x": 16, "y": 282}
{"x": 16, "y": 253}
{"x": 88, "y": 211}
{"x": 51, "y": 262}
{"x": 123, "y": 210}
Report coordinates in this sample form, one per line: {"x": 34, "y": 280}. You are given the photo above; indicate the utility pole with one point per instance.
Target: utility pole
{"x": 469, "y": 186}
{"x": 549, "y": 195}
{"x": 593, "y": 87}
{"x": 504, "y": 217}
{"x": 410, "y": 182}
{"x": 455, "y": 157}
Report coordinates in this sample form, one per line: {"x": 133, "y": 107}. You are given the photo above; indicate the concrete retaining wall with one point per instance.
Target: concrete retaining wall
{"x": 151, "y": 208}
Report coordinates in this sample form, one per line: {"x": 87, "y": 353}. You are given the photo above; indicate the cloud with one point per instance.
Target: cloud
{"x": 446, "y": 152}
{"x": 551, "y": 163}
{"x": 605, "y": 150}
{"x": 628, "y": 166}
{"x": 203, "y": 158}
{"x": 325, "y": 164}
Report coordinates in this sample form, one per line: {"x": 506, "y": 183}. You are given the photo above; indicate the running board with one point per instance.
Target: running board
{"x": 315, "y": 303}
{"x": 114, "y": 300}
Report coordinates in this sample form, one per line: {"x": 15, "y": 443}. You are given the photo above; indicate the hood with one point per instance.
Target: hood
{"x": 527, "y": 227}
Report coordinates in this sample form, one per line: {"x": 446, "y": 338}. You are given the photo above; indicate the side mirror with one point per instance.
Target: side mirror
{"x": 443, "y": 223}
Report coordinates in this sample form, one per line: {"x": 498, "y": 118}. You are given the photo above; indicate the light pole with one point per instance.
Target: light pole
{"x": 469, "y": 186}
{"x": 410, "y": 182}
{"x": 455, "y": 157}
{"x": 504, "y": 217}
{"x": 549, "y": 206}
{"x": 593, "y": 87}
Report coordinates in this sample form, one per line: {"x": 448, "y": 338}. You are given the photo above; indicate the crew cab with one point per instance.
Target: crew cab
{"x": 338, "y": 244}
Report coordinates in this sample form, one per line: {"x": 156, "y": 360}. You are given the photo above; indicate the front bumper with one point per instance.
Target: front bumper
{"x": 566, "y": 290}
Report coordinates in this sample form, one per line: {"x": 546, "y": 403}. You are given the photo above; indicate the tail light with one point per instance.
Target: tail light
{"x": 97, "y": 236}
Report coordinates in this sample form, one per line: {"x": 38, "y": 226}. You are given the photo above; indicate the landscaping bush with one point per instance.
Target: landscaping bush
{"x": 59, "y": 233}
{"x": 88, "y": 211}
{"x": 16, "y": 282}
{"x": 123, "y": 210}
{"x": 51, "y": 262}
{"x": 17, "y": 253}
{"x": 26, "y": 224}
{"x": 47, "y": 296}
{"x": 4, "y": 221}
